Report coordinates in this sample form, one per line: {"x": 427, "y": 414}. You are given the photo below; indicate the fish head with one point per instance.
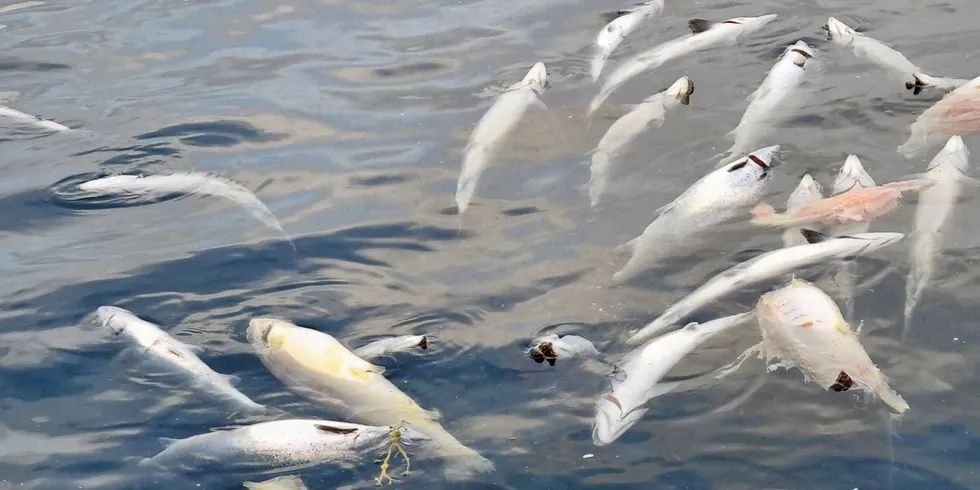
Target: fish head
{"x": 800, "y": 54}
{"x": 543, "y": 351}
{"x": 681, "y": 90}
{"x": 753, "y": 170}
{"x": 751, "y": 24}
{"x": 852, "y": 175}
{"x": 955, "y": 152}
{"x": 806, "y": 191}
{"x": 537, "y": 78}
{"x": 839, "y": 32}
{"x": 610, "y": 420}
{"x": 614, "y": 32}
{"x": 112, "y": 318}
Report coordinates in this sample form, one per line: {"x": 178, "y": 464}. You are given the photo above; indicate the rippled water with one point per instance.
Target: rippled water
{"x": 348, "y": 119}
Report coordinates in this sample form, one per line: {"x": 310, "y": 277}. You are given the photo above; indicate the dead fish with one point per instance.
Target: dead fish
{"x": 291, "y": 482}
{"x": 704, "y": 35}
{"x": 820, "y": 249}
{"x": 36, "y": 121}
{"x": 391, "y": 345}
{"x": 852, "y": 175}
{"x": 957, "y": 114}
{"x": 715, "y": 198}
{"x": 649, "y": 113}
{"x": 495, "y": 125}
{"x": 555, "y": 346}
{"x": 948, "y": 170}
{"x": 856, "y": 205}
{"x": 613, "y": 34}
{"x": 637, "y": 378}
{"x": 807, "y": 191}
{"x": 803, "y": 328}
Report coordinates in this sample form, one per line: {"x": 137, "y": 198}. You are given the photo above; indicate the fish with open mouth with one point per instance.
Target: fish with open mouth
{"x": 559, "y": 346}
{"x": 613, "y": 34}
{"x": 807, "y": 191}
{"x": 957, "y": 114}
{"x": 852, "y": 175}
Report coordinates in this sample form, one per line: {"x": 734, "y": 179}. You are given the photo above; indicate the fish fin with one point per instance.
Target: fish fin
{"x": 691, "y": 326}
{"x": 538, "y": 105}
{"x": 364, "y": 372}
{"x": 135, "y": 460}
{"x": 665, "y": 208}
{"x": 632, "y": 8}
{"x": 698, "y": 26}
{"x": 661, "y": 389}
{"x": 334, "y": 430}
{"x": 196, "y": 349}
{"x": 167, "y": 441}
{"x": 757, "y": 350}
{"x": 814, "y": 236}
{"x": 627, "y": 248}
{"x": 231, "y": 378}
{"x": 433, "y": 414}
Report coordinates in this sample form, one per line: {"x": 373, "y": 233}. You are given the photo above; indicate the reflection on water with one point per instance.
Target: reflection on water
{"x": 348, "y": 119}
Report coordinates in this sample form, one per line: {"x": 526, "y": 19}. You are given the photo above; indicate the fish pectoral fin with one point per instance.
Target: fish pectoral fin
{"x": 364, "y": 373}
{"x": 814, "y": 236}
{"x": 627, "y": 248}
{"x": 698, "y": 26}
{"x": 195, "y": 349}
{"x": 433, "y": 415}
{"x": 231, "y": 379}
{"x": 661, "y": 389}
{"x": 538, "y": 105}
{"x": 167, "y": 441}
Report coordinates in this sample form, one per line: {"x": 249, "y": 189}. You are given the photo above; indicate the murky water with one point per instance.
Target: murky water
{"x": 349, "y": 120}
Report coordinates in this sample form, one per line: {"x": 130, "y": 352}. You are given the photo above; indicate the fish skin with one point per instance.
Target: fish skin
{"x": 553, "y": 347}
{"x": 291, "y": 482}
{"x": 649, "y": 113}
{"x": 958, "y": 113}
{"x": 494, "y": 126}
{"x": 613, "y": 34}
{"x": 852, "y": 175}
{"x": 391, "y": 345}
{"x": 717, "y": 34}
{"x": 161, "y": 346}
{"x": 317, "y": 366}
{"x": 637, "y": 378}
{"x": 807, "y": 191}
{"x": 36, "y": 121}
{"x": 935, "y": 205}
{"x": 764, "y": 267}
{"x": 715, "y": 198}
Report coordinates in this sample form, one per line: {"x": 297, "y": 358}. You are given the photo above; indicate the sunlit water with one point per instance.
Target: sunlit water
{"x": 348, "y": 119}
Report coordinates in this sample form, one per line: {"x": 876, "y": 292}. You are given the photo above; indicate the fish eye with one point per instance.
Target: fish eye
{"x": 800, "y": 63}
{"x": 737, "y": 166}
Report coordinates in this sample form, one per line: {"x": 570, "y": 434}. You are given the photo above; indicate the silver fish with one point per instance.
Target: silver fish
{"x": 495, "y": 125}
{"x": 650, "y": 113}
{"x": 390, "y": 345}
{"x": 291, "y": 482}
{"x": 162, "y": 347}
{"x": 637, "y": 378}
{"x": 704, "y": 35}
{"x": 769, "y": 265}
{"x": 715, "y": 198}
{"x": 852, "y": 175}
{"x": 553, "y": 347}
{"x": 613, "y": 34}
{"x": 807, "y": 191}
{"x": 958, "y": 113}
{"x": 36, "y": 121}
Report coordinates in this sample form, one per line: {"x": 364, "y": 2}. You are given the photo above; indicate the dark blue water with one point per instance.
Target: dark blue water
{"x": 348, "y": 119}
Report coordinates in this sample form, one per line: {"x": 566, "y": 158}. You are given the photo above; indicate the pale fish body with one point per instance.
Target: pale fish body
{"x": 649, "y": 113}
{"x": 704, "y": 35}
{"x": 807, "y": 191}
{"x": 160, "y": 346}
{"x": 494, "y": 126}
{"x": 291, "y": 482}
{"x": 775, "y": 99}
{"x": 957, "y": 114}
{"x": 553, "y": 347}
{"x": 391, "y": 345}
{"x": 802, "y": 327}
{"x": 613, "y": 34}
{"x": 637, "y": 378}
{"x": 715, "y": 198}
{"x": 852, "y": 175}
{"x": 822, "y": 248}
{"x": 38, "y": 122}
{"x": 317, "y": 366}
{"x": 936, "y": 203}
{"x": 277, "y": 446}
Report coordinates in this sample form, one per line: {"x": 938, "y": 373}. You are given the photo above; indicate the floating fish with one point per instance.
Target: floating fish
{"x": 715, "y": 198}
{"x": 291, "y": 482}
{"x": 612, "y": 35}
{"x": 704, "y": 35}
{"x": 957, "y": 114}
{"x": 317, "y": 366}
{"x": 553, "y": 347}
{"x": 820, "y": 249}
{"x": 650, "y": 113}
{"x": 852, "y": 176}
{"x": 391, "y": 345}
{"x": 181, "y": 357}
{"x": 36, "y": 121}
{"x": 948, "y": 170}
{"x": 807, "y": 191}
{"x": 636, "y": 379}
{"x": 495, "y": 125}
{"x": 802, "y": 327}
{"x": 856, "y": 205}
{"x": 185, "y": 183}
{"x": 778, "y": 97}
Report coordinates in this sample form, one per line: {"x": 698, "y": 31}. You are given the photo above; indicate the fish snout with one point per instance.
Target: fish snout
{"x": 545, "y": 351}
{"x": 259, "y": 329}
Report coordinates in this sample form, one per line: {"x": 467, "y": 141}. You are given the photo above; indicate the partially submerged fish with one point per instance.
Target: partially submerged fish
{"x": 555, "y": 346}
{"x": 291, "y": 482}
{"x": 948, "y": 170}
{"x": 636, "y": 379}
{"x": 649, "y": 113}
{"x": 390, "y": 345}
{"x": 494, "y": 126}
{"x": 807, "y": 191}
{"x": 704, "y": 35}
{"x": 821, "y": 248}
{"x": 856, "y": 205}
{"x": 36, "y": 121}
{"x": 612, "y": 35}
{"x": 160, "y": 346}
{"x": 852, "y": 176}
{"x": 317, "y": 366}
{"x": 802, "y": 327}
{"x": 715, "y": 198}
{"x": 958, "y": 113}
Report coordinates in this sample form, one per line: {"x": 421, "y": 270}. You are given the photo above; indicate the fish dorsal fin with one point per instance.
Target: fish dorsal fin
{"x": 167, "y": 441}
{"x": 698, "y": 26}
{"x": 813, "y": 236}
{"x": 691, "y": 326}
{"x": 334, "y": 430}
{"x": 231, "y": 379}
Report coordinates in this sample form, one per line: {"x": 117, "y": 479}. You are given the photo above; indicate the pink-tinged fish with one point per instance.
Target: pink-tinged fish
{"x": 957, "y": 114}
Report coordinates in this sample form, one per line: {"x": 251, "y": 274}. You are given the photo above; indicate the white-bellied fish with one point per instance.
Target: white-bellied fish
{"x": 852, "y": 176}
{"x": 822, "y": 248}
{"x": 391, "y": 345}
{"x": 807, "y": 191}
{"x": 704, "y": 35}
{"x": 558, "y": 346}
{"x": 494, "y": 126}
{"x": 29, "y": 120}
{"x": 317, "y": 366}
{"x": 649, "y": 113}
{"x": 948, "y": 170}
{"x": 957, "y": 114}
{"x": 637, "y": 378}
{"x": 160, "y": 346}
{"x": 715, "y": 198}
{"x": 291, "y": 482}
{"x": 613, "y": 34}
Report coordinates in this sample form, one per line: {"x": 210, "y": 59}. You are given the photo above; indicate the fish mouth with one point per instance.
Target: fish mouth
{"x": 544, "y": 351}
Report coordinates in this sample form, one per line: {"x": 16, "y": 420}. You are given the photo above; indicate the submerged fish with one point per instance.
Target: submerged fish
{"x": 821, "y": 249}
{"x": 948, "y": 170}
{"x": 807, "y": 191}
{"x": 162, "y": 347}
{"x": 802, "y": 327}
{"x": 553, "y": 347}
{"x": 291, "y": 482}
{"x": 494, "y": 126}
{"x": 852, "y": 176}
{"x": 612, "y": 35}
{"x": 957, "y": 114}
{"x": 390, "y": 345}
{"x": 704, "y": 35}
{"x": 715, "y": 198}
{"x": 36, "y": 121}
{"x": 650, "y": 112}
{"x": 856, "y": 205}
{"x": 317, "y": 366}
{"x": 636, "y": 379}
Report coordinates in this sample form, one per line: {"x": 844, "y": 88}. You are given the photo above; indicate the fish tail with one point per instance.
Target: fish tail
{"x": 596, "y": 186}
{"x": 465, "y": 463}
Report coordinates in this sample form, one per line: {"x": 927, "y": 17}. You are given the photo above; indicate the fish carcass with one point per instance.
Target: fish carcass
{"x": 957, "y": 114}
{"x": 558, "y": 346}
{"x": 807, "y": 191}
{"x": 613, "y": 34}
{"x": 291, "y": 482}
{"x": 391, "y": 345}
{"x": 852, "y": 175}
